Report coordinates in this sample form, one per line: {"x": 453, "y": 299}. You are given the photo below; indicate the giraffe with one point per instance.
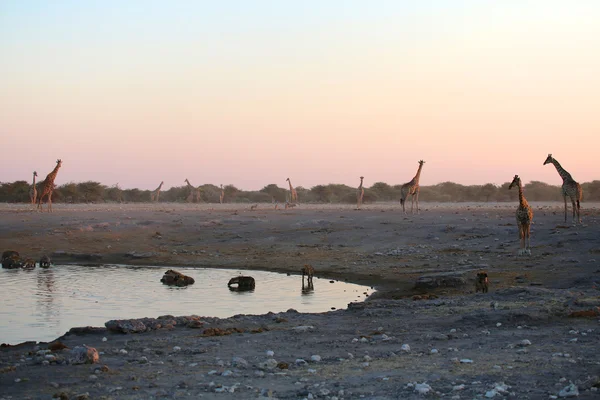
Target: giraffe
{"x": 222, "y": 195}
{"x": 154, "y": 195}
{"x": 48, "y": 187}
{"x": 411, "y": 188}
{"x": 569, "y": 188}
{"x": 293, "y": 194}
{"x": 524, "y": 218}
{"x": 360, "y": 194}
{"x": 194, "y": 195}
{"x": 33, "y": 190}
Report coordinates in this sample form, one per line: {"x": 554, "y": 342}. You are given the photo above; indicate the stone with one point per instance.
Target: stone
{"x": 441, "y": 280}
{"x": 125, "y": 326}
{"x": 175, "y": 278}
{"x": 11, "y": 259}
{"x": 84, "y": 355}
{"x": 241, "y": 283}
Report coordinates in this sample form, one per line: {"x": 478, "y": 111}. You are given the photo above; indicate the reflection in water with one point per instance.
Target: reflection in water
{"x": 43, "y": 304}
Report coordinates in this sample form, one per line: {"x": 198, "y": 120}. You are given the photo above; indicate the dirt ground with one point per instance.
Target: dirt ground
{"x": 535, "y": 335}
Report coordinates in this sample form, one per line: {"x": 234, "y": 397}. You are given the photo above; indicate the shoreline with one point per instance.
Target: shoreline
{"x": 518, "y": 338}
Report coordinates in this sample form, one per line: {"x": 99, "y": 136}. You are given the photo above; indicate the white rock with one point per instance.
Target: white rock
{"x": 123, "y": 351}
{"x": 405, "y": 348}
{"x": 458, "y": 387}
{"x": 300, "y": 361}
{"x": 466, "y": 361}
{"x": 355, "y": 340}
{"x": 270, "y": 353}
{"x": 303, "y": 328}
{"x": 499, "y": 324}
{"x": 211, "y": 372}
{"x": 569, "y": 391}
{"x": 364, "y": 340}
{"x": 350, "y": 356}
{"x": 227, "y": 373}
{"x": 452, "y": 330}
{"x": 315, "y": 358}
{"x": 490, "y": 393}
{"x": 434, "y": 351}
{"x": 367, "y": 357}
{"x": 104, "y": 339}
{"x": 524, "y": 342}
{"x": 176, "y": 348}
{"x": 422, "y": 388}
{"x": 312, "y": 370}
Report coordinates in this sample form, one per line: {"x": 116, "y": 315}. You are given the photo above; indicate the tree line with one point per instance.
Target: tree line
{"x": 95, "y": 192}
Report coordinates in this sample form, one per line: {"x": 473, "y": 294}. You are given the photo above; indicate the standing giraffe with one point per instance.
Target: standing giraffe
{"x": 569, "y": 188}
{"x": 194, "y": 195}
{"x": 293, "y": 194}
{"x": 48, "y": 187}
{"x": 222, "y": 195}
{"x": 33, "y": 190}
{"x": 524, "y": 218}
{"x": 411, "y": 188}
{"x": 155, "y": 193}
{"x": 360, "y": 194}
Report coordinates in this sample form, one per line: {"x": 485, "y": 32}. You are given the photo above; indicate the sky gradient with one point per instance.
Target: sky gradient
{"x": 252, "y": 92}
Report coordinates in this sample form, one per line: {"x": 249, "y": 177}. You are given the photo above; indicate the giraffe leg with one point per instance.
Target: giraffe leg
{"x": 50, "y": 202}
{"x": 412, "y": 203}
{"x": 565, "y": 198}
{"x": 574, "y": 211}
{"x": 528, "y": 242}
{"x": 579, "y": 211}
{"x": 417, "y": 202}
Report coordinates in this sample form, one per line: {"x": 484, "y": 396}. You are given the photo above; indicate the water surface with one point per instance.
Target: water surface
{"x": 43, "y": 304}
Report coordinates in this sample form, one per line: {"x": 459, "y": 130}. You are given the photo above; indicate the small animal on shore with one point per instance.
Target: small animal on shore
{"x": 482, "y": 283}
{"x": 48, "y": 187}
{"x": 569, "y": 188}
{"x": 29, "y": 263}
{"x": 33, "y": 190}
{"x": 253, "y": 207}
{"x": 412, "y": 188}
{"x": 524, "y": 217}
{"x": 289, "y": 205}
{"x": 45, "y": 261}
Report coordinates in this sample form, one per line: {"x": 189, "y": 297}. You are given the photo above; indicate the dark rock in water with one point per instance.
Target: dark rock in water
{"x": 242, "y": 282}
{"x": 11, "y": 259}
{"x": 441, "y": 280}
{"x": 29, "y": 263}
{"x": 175, "y": 278}
{"x": 125, "y": 325}
{"x": 45, "y": 261}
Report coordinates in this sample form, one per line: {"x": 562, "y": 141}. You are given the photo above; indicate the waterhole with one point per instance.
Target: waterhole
{"x": 43, "y": 304}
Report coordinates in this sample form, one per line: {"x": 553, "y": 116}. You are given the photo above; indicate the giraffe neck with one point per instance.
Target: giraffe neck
{"x": 360, "y": 187}
{"x": 291, "y": 187}
{"x": 522, "y": 200}
{"x": 418, "y": 175}
{"x": 159, "y": 186}
{"x": 33, "y": 180}
{"x": 52, "y": 175}
{"x": 566, "y": 177}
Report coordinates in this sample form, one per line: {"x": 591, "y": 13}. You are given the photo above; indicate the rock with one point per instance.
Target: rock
{"x": 303, "y": 328}
{"x": 45, "y": 261}
{"x": 405, "y": 348}
{"x": 11, "y": 259}
{"x": 239, "y": 362}
{"x": 422, "y": 388}
{"x": 175, "y": 278}
{"x": 84, "y": 355}
{"x": 241, "y": 283}
{"x": 569, "y": 391}
{"x": 315, "y": 358}
{"x": 125, "y": 326}
{"x": 134, "y": 254}
{"x": 444, "y": 279}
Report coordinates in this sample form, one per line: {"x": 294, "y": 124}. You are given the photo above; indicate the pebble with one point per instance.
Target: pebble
{"x": 569, "y": 391}
{"x": 300, "y": 362}
{"x": 524, "y": 342}
{"x": 434, "y": 351}
{"x": 227, "y": 373}
{"x": 104, "y": 339}
{"x": 405, "y": 348}
{"x": 270, "y": 353}
{"x": 176, "y": 348}
{"x": 317, "y": 358}
{"x": 466, "y": 361}
{"x": 458, "y": 387}
{"x": 422, "y": 388}
{"x": 123, "y": 351}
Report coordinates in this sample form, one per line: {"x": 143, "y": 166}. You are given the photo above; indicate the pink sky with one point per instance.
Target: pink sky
{"x": 480, "y": 91}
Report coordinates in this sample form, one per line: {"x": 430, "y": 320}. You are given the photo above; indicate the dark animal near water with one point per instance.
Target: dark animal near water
{"x": 175, "y": 278}
{"x": 482, "y": 283}
{"x": 11, "y": 259}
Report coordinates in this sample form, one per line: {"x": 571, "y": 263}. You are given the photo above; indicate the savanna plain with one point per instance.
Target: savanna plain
{"x": 425, "y": 332}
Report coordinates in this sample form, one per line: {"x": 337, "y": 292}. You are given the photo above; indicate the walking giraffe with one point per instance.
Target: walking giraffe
{"x": 33, "y": 190}
{"x": 48, "y": 187}
{"x": 360, "y": 194}
{"x": 569, "y": 188}
{"x": 222, "y": 195}
{"x": 293, "y": 194}
{"x": 411, "y": 188}
{"x": 194, "y": 195}
{"x": 155, "y": 194}
{"x": 524, "y": 218}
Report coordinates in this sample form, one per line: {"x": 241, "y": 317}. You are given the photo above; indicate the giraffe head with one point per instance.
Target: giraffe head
{"x": 421, "y": 162}
{"x": 34, "y": 173}
{"x": 549, "y": 159}
{"x": 58, "y": 163}
{"x": 515, "y": 182}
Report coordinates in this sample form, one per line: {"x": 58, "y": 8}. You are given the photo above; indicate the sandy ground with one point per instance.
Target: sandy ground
{"x": 516, "y": 341}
